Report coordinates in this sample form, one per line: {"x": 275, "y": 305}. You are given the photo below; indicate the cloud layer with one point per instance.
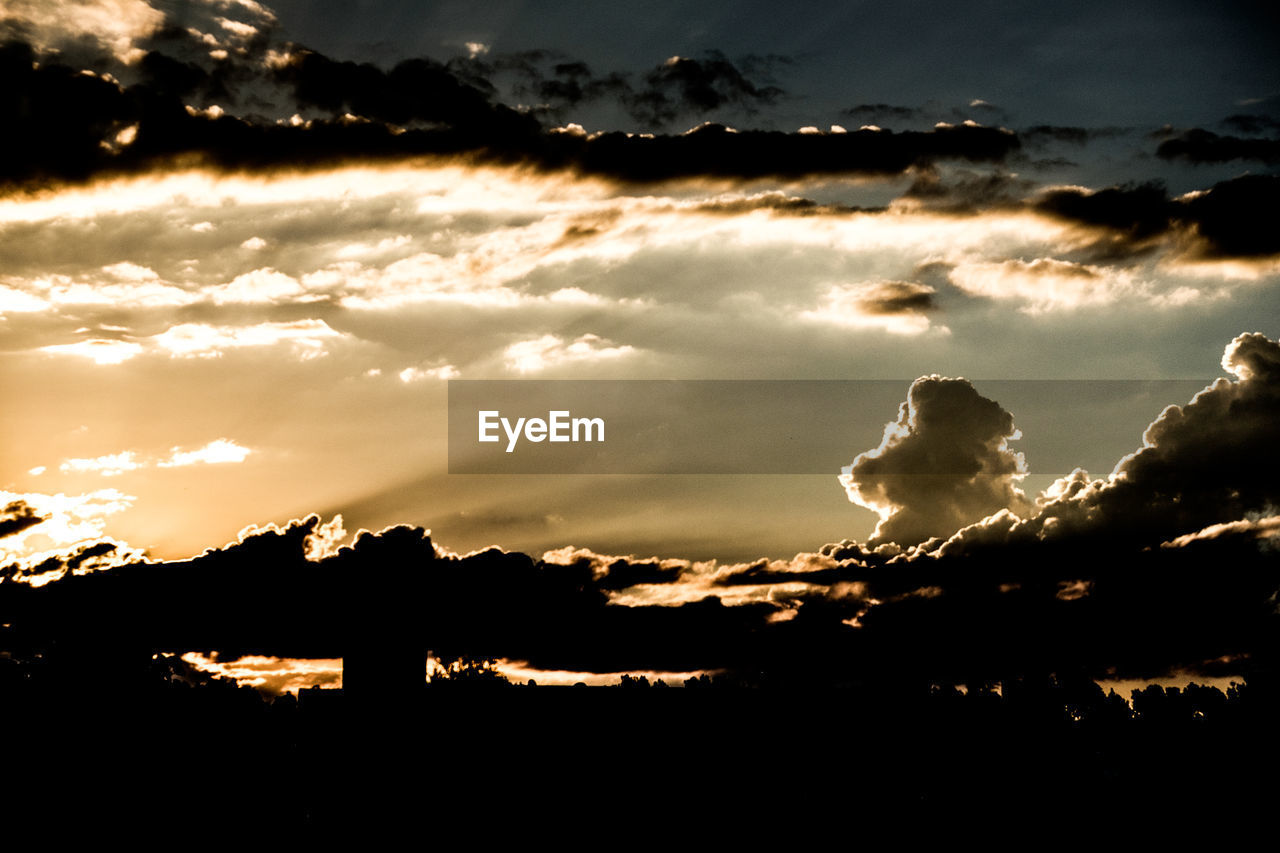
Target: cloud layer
{"x": 1073, "y": 584}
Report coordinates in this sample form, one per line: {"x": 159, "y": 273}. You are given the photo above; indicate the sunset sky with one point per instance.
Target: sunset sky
{"x": 244, "y": 247}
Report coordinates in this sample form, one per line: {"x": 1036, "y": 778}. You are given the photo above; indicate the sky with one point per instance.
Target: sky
{"x": 244, "y": 248}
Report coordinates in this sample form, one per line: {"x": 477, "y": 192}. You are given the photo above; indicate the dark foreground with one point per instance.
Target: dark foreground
{"x": 504, "y": 763}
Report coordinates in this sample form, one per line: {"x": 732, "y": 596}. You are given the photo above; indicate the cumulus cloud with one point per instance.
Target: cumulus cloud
{"x": 1212, "y": 459}
{"x": 945, "y": 463}
{"x": 1208, "y": 462}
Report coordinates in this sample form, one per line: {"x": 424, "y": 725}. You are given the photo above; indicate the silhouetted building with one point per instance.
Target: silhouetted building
{"x": 384, "y": 659}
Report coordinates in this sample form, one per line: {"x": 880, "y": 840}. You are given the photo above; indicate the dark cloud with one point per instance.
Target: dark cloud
{"x": 1252, "y": 124}
{"x": 682, "y": 88}
{"x": 589, "y": 226}
{"x": 873, "y": 113}
{"x": 1048, "y": 164}
{"x": 70, "y": 126}
{"x": 1230, "y": 219}
{"x": 767, "y": 66}
{"x": 943, "y": 464}
{"x": 58, "y": 118}
{"x": 683, "y": 85}
{"x": 416, "y": 91}
{"x": 1203, "y": 146}
{"x": 930, "y": 113}
{"x": 574, "y": 84}
{"x": 86, "y": 557}
{"x": 897, "y": 297}
{"x": 960, "y": 191}
{"x": 170, "y": 76}
{"x": 1041, "y": 134}
{"x": 262, "y": 596}
{"x": 1136, "y": 212}
{"x": 778, "y": 203}
{"x": 716, "y": 151}
{"x": 616, "y": 573}
{"x": 767, "y": 572}
{"x": 17, "y": 516}
{"x": 552, "y": 80}
{"x": 1072, "y": 135}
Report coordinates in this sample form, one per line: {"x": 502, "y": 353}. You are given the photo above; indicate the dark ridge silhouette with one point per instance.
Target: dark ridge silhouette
{"x": 321, "y": 765}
